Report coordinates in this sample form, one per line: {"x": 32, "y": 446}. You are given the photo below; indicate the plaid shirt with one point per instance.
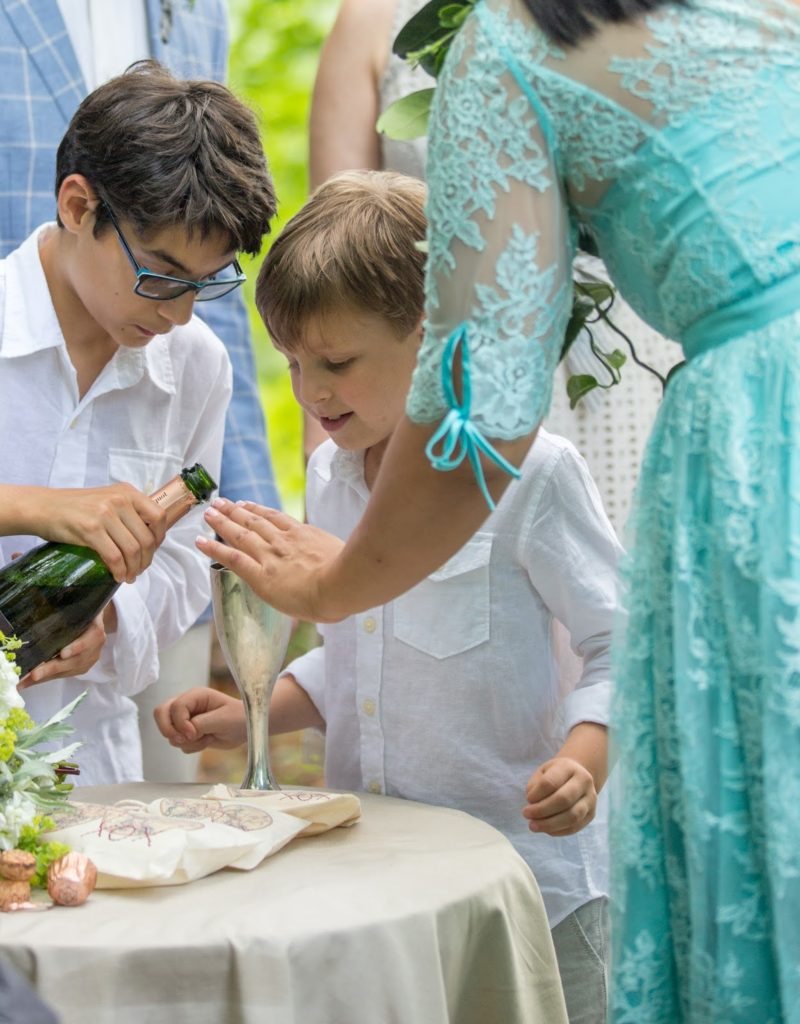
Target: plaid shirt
{"x": 40, "y": 87}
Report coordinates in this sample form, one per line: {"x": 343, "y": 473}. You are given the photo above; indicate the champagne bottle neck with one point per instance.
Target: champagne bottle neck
{"x": 175, "y": 498}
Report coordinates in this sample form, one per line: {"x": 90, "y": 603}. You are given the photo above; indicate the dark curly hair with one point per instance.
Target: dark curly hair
{"x": 163, "y": 151}
{"x": 567, "y": 22}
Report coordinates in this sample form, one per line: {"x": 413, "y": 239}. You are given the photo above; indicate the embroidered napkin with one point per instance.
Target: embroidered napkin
{"x": 172, "y": 840}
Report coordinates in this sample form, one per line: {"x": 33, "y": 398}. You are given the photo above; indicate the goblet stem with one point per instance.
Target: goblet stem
{"x": 253, "y": 637}
{"x": 258, "y": 774}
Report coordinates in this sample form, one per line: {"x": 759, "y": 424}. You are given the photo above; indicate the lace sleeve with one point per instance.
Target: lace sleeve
{"x": 500, "y": 246}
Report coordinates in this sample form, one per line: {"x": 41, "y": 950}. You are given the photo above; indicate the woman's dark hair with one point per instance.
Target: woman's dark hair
{"x": 569, "y": 21}
{"x": 162, "y": 151}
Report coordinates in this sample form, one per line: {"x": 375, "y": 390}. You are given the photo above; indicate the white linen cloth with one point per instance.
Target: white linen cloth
{"x": 150, "y": 412}
{"x": 450, "y": 694}
{"x": 418, "y": 915}
{"x": 106, "y": 37}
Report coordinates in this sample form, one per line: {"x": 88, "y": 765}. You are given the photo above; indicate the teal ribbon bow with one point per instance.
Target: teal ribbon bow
{"x": 460, "y": 437}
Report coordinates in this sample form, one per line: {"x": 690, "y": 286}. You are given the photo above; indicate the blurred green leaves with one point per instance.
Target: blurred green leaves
{"x": 407, "y": 118}
{"x": 273, "y": 59}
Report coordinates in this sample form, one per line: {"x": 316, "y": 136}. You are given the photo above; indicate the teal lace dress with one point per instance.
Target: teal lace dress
{"x": 676, "y": 141}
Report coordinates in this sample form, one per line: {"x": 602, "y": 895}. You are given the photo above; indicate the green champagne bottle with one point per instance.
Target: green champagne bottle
{"x": 49, "y": 595}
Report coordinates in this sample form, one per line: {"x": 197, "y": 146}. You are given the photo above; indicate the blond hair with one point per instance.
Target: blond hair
{"x": 355, "y": 244}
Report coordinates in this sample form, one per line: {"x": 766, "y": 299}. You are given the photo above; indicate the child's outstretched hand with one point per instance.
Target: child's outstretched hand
{"x": 202, "y": 718}
{"x": 561, "y": 796}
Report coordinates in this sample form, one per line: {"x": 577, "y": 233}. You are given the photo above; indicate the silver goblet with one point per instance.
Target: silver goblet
{"x": 254, "y": 637}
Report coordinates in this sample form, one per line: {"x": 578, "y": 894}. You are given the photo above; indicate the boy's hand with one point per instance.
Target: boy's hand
{"x": 76, "y": 658}
{"x": 202, "y": 718}
{"x": 121, "y": 524}
{"x": 561, "y": 796}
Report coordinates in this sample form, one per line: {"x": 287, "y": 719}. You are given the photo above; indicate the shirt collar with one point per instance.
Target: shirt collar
{"x": 30, "y": 323}
{"x": 348, "y": 467}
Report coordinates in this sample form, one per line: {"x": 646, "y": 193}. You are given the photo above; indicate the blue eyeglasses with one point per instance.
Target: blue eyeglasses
{"x": 163, "y": 287}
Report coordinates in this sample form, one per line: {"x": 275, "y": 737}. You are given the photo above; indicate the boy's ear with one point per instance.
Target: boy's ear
{"x": 77, "y": 203}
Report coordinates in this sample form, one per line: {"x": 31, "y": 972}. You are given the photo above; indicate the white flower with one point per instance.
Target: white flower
{"x": 10, "y": 696}
{"x": 15, "y": 813}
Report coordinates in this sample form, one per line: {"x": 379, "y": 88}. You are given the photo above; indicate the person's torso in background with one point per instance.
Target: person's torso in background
{"x": 106, "y": 37}
{"x": 400, "y": 79}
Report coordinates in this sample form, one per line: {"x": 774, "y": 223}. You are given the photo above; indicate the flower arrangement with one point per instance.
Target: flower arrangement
{"x": 424, "y": 42}
{"x": 32, "y": 783}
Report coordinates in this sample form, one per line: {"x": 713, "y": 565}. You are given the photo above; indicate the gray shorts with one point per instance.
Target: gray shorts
{"x": 582, "y": 949}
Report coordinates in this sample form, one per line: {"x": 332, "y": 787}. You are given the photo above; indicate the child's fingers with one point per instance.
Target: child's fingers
{"x": 191, "y": 747}
{"x": 562, "y": 800}
{"x": 223, "y": 727}
{"x": 567, "y": 822}
{"x": 547, "y": 780}
{"x": 173, "y": 719}
{"x": 182, "y": 716}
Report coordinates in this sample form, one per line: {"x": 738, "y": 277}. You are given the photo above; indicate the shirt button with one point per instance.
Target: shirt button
{"x": 370, "y": 624}
{"x": 368, "y": 706}
{"x": 375, "y": 786}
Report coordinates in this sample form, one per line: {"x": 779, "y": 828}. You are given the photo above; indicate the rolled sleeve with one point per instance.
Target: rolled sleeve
{"x": 309, "y": 672}
{"x": 130, "y": 656}
{"x": 571, "y": 553}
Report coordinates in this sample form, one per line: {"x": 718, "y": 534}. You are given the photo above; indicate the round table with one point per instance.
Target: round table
{"x": 415, "y": 915}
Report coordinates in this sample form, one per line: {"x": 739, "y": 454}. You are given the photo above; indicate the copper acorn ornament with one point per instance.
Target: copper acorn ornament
{"x": 70, "y": 879}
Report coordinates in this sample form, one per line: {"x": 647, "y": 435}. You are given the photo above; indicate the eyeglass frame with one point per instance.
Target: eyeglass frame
{"x": 198, "y": 286}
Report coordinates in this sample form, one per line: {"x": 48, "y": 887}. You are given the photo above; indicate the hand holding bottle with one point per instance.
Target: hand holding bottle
{"x": 50, "y": 595}
{"x": 76, "y": 658}
{"x": 123, "y": 525}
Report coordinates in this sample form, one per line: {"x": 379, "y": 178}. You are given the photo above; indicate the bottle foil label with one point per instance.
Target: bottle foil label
{"x": 175, "y": 498}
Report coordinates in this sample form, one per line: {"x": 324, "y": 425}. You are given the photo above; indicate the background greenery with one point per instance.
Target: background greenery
{"x": 273, "y": 60}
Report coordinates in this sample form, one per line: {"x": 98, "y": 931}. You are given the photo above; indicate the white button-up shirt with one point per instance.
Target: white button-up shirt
{"x": 450, "y": 693}
{"x": 106, "y": 37}
{"x": 150, "y": 412}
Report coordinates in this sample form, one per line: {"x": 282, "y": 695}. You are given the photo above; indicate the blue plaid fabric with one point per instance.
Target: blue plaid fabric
{"x": 40, "y": 86}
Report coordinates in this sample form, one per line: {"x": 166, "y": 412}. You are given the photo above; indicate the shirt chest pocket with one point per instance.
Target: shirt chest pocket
{"x": 449, "y": 612}
{"x": 147, "y": 471}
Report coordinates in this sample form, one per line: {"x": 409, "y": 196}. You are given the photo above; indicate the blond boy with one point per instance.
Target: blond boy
{"x": 449, "y": 694}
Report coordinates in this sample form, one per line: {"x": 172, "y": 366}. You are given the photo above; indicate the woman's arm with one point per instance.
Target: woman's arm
{"x": 345, "y": 105}
{"x": 417, "y": 517}
{"x": 345, "y": 101}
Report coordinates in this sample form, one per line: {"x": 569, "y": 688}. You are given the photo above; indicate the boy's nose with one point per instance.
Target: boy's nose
{"x": 179, "y": 311}
{"x": 313, "y": 390}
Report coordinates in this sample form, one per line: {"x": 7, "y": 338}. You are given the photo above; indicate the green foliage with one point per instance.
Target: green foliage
{"x": 407, "y": 118}
{"x": 578, "y": 385}
{"x": 274, "y": 54}
{"x": 425, "y": 38}
{"x": 45, "y": 851}
{"x": 582, "y": 309}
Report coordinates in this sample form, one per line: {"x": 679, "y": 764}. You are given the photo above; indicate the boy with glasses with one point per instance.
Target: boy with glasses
{"x": 109, "y": 384}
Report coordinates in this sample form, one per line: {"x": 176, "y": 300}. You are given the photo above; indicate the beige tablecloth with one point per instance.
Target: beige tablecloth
{"x": 416, "y": 915}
